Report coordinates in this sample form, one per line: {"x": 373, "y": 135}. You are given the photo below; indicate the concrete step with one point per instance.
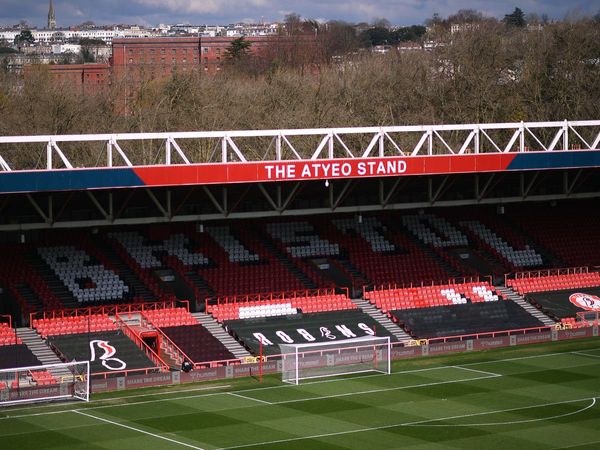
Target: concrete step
{"x": 214, "y": 328}
{"x": 40, "y": 349}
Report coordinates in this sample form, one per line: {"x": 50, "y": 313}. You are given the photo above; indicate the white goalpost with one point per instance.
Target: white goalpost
{"x": 51, "y": 382}
{"x": 327, "y": 359}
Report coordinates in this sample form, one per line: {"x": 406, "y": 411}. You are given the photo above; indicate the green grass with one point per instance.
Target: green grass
{"x": 534, "y": 397}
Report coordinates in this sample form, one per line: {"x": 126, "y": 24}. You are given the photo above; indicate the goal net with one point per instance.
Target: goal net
{"x": 328, "y": 359}
{"x": 67, "y": 381}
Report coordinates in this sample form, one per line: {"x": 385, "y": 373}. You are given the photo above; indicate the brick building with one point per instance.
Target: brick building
{"x": 136, "y": 60}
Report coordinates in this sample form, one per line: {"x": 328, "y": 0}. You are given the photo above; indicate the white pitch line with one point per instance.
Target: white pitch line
{"x": 375, "y": 391}
{"x": 406, "y": 424}
{"x": 235, "y": 394}
{"x": 512, "y": 422}
{"x": 157, "y": 436}
{"x": 586, "y": 354}
{"x": 478, "y": 371}
{"x": 123, "y": 397}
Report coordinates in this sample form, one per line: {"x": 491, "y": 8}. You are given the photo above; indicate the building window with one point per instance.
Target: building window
{"x": 152, "y": 51}
{"x": 174, "y": 51}
{"x": 184, "y": 51}
{"x": 205, "y": 60}
{"x": 130, "y": 60}
{"x": 218, "y": 51}
{"x": 173, "y": 60}
{"x": 184, "y": 60}
{"x": 205, "y": 49}
{"x": 131, "y": 51}
{"x": 162, "y": 51}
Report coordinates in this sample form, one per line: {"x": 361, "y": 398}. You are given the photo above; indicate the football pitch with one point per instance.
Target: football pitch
{"x": 533, "y": 397}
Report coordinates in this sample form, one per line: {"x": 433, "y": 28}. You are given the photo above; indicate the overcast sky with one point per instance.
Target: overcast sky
{"x": 153, "y": 12}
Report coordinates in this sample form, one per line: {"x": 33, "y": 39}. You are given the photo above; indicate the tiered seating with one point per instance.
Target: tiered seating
{"x": 302, "y": 234}
{"x": 73, "y": 325}
{"x": 447, "y": 234}
{"x": 84, "y": 279}
{"x": 402, "y": 261}
{"x": 431, "y": 296}
{"x": 570, "y": 231}
{"x": 236, "y": 251}
{"x": 557, "y": 282}
{"x": 42, "y": 378}
{"x": 252, "y": 312}
{"x": 303, "y": 328}
{"x": 527, "y": 257}
{"x": 464, "y": 319}
{"x": 16, "y": 272}
{"x": 197, "y": 343}
{"x": 7, "y": 335}
{"x": 111, "y": 351}
{"x": 306, "y": 303}
{"x": 169, "y": 317}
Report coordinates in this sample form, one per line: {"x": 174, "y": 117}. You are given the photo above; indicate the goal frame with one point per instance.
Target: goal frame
{"x": 71, "y": 384}
{"x": 317, "y": 349}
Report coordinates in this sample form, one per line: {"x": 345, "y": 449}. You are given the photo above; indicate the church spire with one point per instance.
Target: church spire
{"x": 51, "y": 17}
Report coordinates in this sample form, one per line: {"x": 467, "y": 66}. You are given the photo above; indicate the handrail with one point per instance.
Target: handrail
{"x": 281, "y": 295}
{"x": 168, "y": 339}
{"x": 428, "y": 283}
{"x": 546, "y": 273}
{"x": 6, "y": 316}
{"x": 140, "y": 343}
{"x": 108, "y": 309}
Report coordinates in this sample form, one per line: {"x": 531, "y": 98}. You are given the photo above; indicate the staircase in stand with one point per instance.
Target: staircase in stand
{"x": 30, "y": 297}
{"x": 215, "y": 328}
{"x": 41, "y": 350}
{"x": 382, "y": 319}
{"x": 509, "y": 294}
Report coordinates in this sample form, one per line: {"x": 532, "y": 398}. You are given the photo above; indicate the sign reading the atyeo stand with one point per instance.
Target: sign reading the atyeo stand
{"x": 588, "y": 302}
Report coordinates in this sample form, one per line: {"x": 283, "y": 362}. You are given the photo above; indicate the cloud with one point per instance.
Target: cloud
{"x": 401, "y": 12}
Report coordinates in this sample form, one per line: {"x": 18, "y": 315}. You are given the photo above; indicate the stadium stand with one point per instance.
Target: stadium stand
{"x": 538, "y": 282}
{"x": 570, "y": 231}
{"x": 454, "y": 293}
{"x": 464, "y": 319}
{"x": 560, "y": 293}
{"x": 74, "y": 324}
{"x": 107, "y": 351}
{"x": 302, "y": 328}
{"x": 279, "y": 304}
{"x": 192, "y": 339}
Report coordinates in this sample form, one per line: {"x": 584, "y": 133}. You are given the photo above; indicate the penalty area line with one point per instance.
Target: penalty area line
{"x": 137, "y": 430}
{"x": 264, "y": 402}
{"x": 427, "y": 422}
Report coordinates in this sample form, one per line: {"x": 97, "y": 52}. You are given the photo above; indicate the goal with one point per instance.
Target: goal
{"x": 66, "y": 381}
{"x": 328, "y": 359}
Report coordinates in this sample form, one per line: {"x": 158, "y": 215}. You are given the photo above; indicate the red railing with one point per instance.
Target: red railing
{"x": 457, "y": 280}
{"x": 6, "y": 318}
{"x": 109, "y": 309}
{"x": 168, "y": 340}
{"x": 151, "y": 354}
{"x": 546, "y": 273}
{"x": 284, "y": 295}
